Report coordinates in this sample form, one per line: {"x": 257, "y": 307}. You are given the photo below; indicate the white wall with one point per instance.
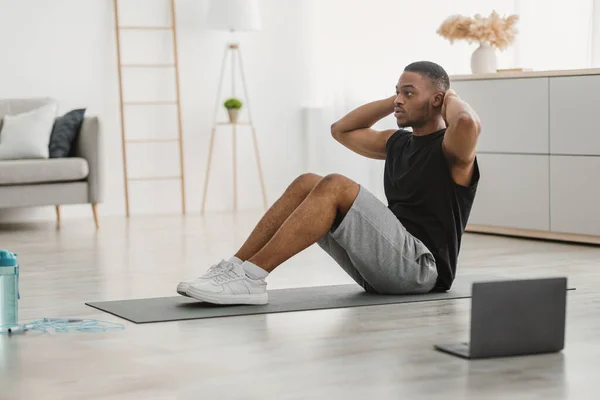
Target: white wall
{"x": 314, "y": 61}
{"x": 66, "y": 49}
{"x": 561, "y": 33}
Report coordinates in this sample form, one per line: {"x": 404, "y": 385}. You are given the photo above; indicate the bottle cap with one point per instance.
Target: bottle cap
{"x": 7, "y": 259}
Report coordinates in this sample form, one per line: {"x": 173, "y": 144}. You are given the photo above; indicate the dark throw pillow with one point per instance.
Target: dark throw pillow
{"x": 65, "y": 132}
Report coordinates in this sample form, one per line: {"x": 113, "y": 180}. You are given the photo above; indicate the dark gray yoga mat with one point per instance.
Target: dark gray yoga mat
{"x": 177, "y": 308}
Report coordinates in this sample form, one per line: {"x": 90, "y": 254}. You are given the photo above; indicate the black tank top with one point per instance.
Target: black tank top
{"x": 424, "y": 197}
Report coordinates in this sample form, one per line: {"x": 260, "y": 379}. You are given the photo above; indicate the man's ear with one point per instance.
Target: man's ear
{"x": 438, "y": 99}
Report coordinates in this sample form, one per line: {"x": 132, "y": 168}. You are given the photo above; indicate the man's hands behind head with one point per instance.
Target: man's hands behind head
{"x": 449, "y": 94}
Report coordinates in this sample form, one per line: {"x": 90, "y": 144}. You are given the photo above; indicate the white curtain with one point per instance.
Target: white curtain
{"x": 359, "y": 49}
{"x": 595, "y": 35}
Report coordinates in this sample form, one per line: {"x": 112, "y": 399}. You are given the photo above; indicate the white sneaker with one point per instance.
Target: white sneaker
{"x": 182, "y": 287}
{"x": 230, "y": 286}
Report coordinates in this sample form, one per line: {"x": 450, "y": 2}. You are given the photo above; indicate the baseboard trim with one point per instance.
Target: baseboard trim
{"x": 534, "y": 234}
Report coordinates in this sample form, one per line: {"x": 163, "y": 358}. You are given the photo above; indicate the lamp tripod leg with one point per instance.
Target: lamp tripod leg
{"x": 214, "y": 126}
{"x": 254, "y": 137}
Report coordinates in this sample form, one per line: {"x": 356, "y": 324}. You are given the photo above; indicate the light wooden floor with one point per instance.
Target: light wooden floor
{"x": 379, "y": 352}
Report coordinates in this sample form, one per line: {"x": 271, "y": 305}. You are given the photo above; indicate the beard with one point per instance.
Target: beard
{"x": 404, "y": 124}
{"x": 423, "y": 116}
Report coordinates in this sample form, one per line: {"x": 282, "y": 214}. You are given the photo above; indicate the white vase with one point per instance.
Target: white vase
{"x": 483, "y": 59}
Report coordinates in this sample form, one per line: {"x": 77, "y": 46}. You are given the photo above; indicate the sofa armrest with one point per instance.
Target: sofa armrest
{"x": 89, "y": 146}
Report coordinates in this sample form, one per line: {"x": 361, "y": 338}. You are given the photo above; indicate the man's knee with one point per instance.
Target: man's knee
{"x": 337, "y": 182}
{"x": 343, "y": 188}
{"x": 305, "y": 183}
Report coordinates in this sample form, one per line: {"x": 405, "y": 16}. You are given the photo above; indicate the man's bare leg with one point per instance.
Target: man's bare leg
{"x": 329, "y": 201}
{"x": 294, "y": 195}
{"x": 310, "y": 219}
{"x": 277, "y": 214}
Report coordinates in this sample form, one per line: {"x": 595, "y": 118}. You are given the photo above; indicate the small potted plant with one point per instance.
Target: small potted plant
{"x": 233, "y": 106}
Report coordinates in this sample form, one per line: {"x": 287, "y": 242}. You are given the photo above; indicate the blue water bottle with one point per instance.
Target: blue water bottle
{"x": 9, "y": 292}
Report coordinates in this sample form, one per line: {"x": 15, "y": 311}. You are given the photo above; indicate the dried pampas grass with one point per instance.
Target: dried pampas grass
{"x": 494, "y": 30}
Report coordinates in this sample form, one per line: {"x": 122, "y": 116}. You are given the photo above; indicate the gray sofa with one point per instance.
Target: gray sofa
{"x": 54, "y": 181}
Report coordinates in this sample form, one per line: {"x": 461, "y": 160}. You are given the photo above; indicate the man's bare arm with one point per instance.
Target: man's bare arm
{"x": 460, "y": 140}
{"x": 354, "y": 129}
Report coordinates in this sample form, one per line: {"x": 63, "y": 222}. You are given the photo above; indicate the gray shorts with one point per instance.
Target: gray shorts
{"x": 377, "y": 251}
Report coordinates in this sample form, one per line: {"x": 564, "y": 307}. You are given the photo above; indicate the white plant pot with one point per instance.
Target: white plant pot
{"x": 483, "y": 60}
{"x": 233, "y": 115}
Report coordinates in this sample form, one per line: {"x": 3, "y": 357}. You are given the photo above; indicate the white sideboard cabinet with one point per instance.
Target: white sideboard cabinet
{"x": 539, "y": 153}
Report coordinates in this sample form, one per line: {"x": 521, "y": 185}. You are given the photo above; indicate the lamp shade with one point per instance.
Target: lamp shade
{"x": 234, "y": 15}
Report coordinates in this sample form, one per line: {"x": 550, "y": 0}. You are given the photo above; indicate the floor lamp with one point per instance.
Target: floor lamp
{"x": 233, "y": 15}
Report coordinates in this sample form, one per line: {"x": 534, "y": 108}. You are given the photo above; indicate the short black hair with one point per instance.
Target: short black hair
{"x": 433, "y": 71}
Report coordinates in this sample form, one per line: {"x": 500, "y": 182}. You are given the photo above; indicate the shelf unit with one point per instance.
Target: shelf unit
{"x": 124, "y": 104}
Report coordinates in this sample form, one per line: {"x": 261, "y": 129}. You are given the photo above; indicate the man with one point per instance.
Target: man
{"x": 409, "y": 246}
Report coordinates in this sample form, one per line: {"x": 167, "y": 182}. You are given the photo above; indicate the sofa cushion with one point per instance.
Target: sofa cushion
{"x": 17, "y": 172}
{"x": 65, "y": 132}
{"x": 19, "y": 106}
{"x": 27, "y": 135}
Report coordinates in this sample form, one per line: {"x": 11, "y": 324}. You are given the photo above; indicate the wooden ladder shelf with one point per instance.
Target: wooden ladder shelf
{"x": 125, "y": 141}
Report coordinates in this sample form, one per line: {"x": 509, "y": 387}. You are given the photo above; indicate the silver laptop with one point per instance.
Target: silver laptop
{"x": 512, "y": 318}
